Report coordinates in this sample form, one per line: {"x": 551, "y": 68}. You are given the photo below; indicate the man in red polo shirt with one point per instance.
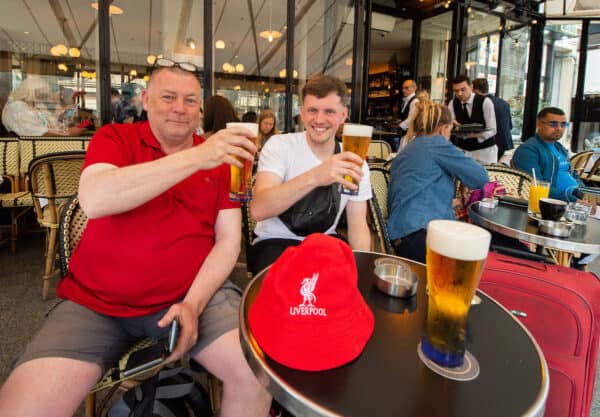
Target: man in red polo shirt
{"x": 161, "y": 241}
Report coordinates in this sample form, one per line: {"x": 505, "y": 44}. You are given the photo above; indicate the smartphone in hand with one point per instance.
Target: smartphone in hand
{"x": 173, "y": 335}
{"x": 144, "y": 359}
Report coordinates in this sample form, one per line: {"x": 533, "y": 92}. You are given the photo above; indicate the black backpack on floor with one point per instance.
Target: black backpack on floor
{"x": 172, "y": 392}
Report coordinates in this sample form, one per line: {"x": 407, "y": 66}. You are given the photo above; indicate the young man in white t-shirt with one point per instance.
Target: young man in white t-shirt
{"x": 292, "y": 165}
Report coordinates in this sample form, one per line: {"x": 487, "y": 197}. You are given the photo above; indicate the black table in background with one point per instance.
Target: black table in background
{"x": 388, "y": 379}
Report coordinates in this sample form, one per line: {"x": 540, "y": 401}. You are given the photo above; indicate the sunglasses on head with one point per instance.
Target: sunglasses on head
{"x": 167, "y": 63}
{"x": 557, "y": 124}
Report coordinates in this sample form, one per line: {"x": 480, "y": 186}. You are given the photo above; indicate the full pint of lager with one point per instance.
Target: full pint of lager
{"x": 456, "y": 254}
{"x": 356, "y": 139}
{"x": 241, "y": 178}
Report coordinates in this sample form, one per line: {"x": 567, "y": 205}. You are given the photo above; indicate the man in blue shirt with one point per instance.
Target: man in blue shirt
{"x": 550, "y": 160}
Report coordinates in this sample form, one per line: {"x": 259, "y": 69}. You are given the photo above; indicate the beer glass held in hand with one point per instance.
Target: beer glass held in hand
{"x": 456, "y": 254}
{"x": 241, "y": 178}
{"x": 356, "y": 139}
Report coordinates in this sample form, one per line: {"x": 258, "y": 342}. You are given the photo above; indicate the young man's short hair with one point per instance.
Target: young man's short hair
{"x": 550, "y": 110}
{"x": 321, "y": 85}
{"x": 481, "y": 84}
{"x": 460, "y": 79}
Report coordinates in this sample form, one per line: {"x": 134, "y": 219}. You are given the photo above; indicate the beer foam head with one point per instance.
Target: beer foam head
{"x": 351, "y": 129}
{"x": 253, "y": 127}
{"x": 458, "y": 240}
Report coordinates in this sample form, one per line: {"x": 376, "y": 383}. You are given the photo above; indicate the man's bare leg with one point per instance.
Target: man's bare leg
{"x": 242, "y": 393}
{"x": 47, "y": 387}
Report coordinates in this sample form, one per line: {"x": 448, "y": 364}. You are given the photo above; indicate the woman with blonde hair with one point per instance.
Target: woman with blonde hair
{"x": 27, "y": 113}
{"x": 267, "y": 126}
{"x": 422, "y": 180}
{"x": 422, "y": 99}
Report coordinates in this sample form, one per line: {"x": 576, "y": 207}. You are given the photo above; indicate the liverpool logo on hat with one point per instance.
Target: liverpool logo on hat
{"x": 309, "y": 313}
{"x": 307, "y": 307}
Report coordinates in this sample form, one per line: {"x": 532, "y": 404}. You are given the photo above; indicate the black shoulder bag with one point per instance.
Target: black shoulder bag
{"x": 316, "y": 211}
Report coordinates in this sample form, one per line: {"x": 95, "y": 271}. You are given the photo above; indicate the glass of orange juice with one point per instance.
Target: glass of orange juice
{"x": 540, "y": 189}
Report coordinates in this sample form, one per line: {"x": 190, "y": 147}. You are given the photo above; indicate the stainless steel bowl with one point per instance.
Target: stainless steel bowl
{"x": 559, "y": 229}
{"x": 396, "y": 279}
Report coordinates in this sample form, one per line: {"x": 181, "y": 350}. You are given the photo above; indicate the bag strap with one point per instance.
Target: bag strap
{"x": 175, "y": 390}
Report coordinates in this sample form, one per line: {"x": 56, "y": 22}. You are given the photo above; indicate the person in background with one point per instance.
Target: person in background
{"x": 161, "y": 240}
{"x": 218, "y": 111}
{"x": 467, "y": 107}
{"x": 30, "y": 110}
{"x": 422, "y": 180}
{"x": 249, "y": 117}
{"x": 421, "y": 96}
{"x": 407, "y": 109}
{"x": 293, "y": 165}
{"x": 548, "y": 157}
{"x": 504, "y": 123}
{"x": 267, "y": 126}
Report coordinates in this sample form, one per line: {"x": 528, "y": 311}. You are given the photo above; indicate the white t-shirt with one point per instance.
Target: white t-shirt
{"x": 288, "y": 156}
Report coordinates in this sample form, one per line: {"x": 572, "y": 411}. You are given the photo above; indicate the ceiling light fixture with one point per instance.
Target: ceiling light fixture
{"x": 112, "y": 9}
{"x": 74, "y": 52}
{"x": 62, "y": 66}
{"x": 220, "y": 44}
{"x": 190, "y": 43}
{"x": 283, "y": 73}
{"x": 270, "y": 34}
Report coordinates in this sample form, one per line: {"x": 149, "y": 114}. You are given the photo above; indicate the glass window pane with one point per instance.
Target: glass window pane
{"x": 249, "y": 61}
{"x": 144, "y": 32}
{"x": 559, "y": 78}
{"x": 515, "y": 53}
{"x": 433, "y": 55}
{"x": 389, "y": 66}
{"x": 482, "y": 47}
{"x": 48, "y": 68}
{"x": 323, "y": 42}
{"x": 590, "y": 118}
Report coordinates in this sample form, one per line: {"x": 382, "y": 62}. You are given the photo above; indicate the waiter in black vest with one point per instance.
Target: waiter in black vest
{"x": 409, "y": 101}
{"x": 468, "y": 107}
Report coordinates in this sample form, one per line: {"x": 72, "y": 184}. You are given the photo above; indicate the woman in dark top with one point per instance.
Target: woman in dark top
{"x": 218, "y": 111}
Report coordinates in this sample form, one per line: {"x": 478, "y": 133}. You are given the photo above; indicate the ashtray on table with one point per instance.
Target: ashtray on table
{"x": 395, "y": 278}
{"x": 559, "y": 228}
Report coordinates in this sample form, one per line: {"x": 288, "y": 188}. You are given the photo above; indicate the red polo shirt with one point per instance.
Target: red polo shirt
{"x": 144, "y": 260}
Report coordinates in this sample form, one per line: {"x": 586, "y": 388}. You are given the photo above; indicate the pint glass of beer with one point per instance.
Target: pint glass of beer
{"x": 356, "y": 138}
{"x": 456, "y": 254}
{"x": 241, "y": 178}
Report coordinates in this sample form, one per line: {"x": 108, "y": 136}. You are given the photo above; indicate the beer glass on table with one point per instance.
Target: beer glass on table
{"x": 356, "y": 139}
{"x": 241, "y": 178}
{"x": 456, "y": 254}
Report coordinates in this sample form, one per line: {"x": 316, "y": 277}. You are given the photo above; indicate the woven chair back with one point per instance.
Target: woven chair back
{"x": 35, "y": 146}
{"x": 54, "y": 178}
{"x": 72, "y": 224}
{"x": 378, "y": 207}
{"x": 516, "y": 182}
{"x": 580, "y": 160}
{"x": 379, "y": 149}
{"x": 9, "y": 162}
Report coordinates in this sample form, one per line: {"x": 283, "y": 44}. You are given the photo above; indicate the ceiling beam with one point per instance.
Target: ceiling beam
{"x": 184, "y": 22}
{"x": 252, "y": 23}
{"x": 62, "y": 22}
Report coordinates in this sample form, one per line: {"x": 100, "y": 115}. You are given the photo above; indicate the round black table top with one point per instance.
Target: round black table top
{"x": 513, "y": 221}
{"x": 388, "y": 379}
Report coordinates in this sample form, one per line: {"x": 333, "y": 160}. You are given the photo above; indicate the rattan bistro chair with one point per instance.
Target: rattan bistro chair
{"x": 515, "y": 181}
{"x": 379, "y": 149}
{"x": 380, "y": 179}
{"x": 53, "y": 180}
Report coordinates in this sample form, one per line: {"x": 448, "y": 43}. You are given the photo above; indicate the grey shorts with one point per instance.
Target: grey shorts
{"x": 76, "y": 332}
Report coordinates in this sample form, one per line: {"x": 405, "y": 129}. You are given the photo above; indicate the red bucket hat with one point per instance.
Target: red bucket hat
{"x": 309, "y": 314}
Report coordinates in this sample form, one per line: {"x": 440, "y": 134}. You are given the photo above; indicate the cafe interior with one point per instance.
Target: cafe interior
{"x": 258, "y": 54}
